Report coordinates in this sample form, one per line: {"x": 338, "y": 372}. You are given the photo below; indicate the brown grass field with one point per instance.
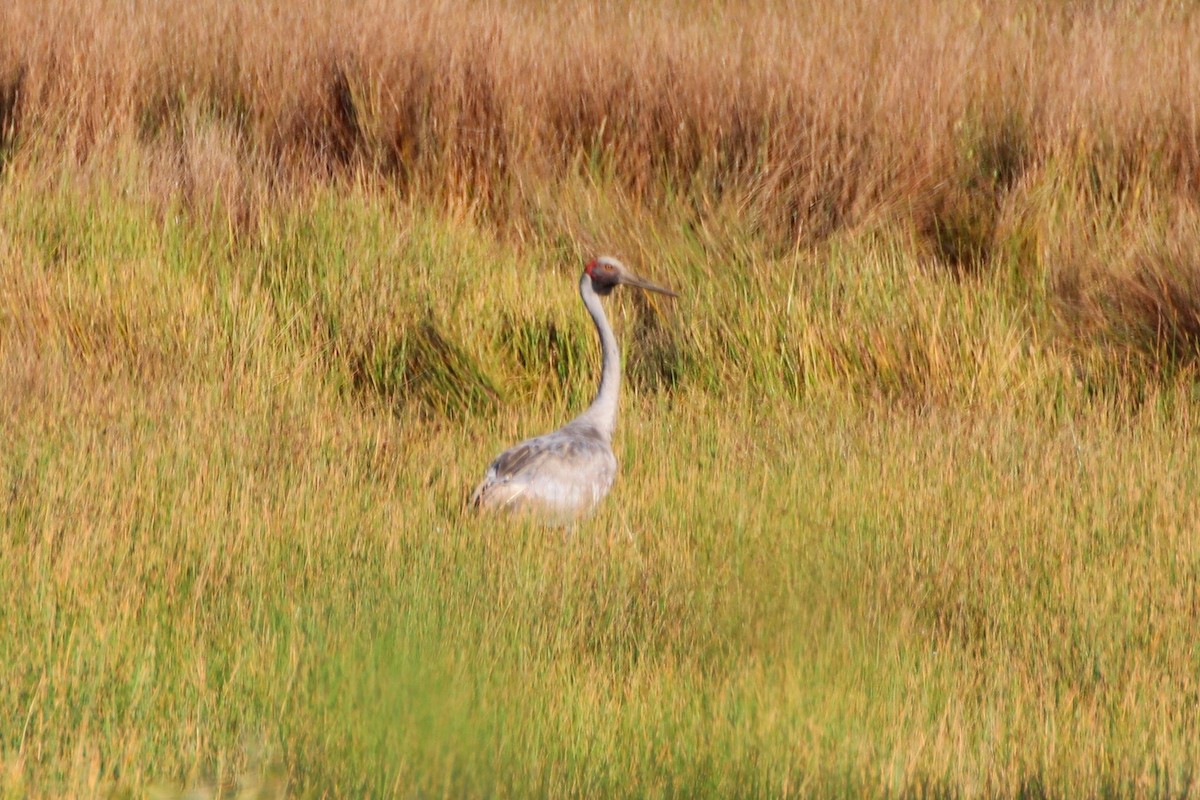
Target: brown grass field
{"x": 908, "y": 503}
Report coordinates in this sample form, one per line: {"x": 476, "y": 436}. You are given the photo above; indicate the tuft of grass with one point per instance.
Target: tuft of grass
{"x": 423, "y": 367}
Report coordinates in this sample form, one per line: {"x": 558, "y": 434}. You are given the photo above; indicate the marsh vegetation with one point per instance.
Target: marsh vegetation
{"x": 908, "y": 502}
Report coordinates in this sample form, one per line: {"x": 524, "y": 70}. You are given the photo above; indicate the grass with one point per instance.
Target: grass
{"x": 907, "y": 502}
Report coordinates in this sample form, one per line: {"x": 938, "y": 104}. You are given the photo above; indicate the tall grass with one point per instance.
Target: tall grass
{"x": 810, "y": 118}
{"x": 907, "y": 503}
{"x": 1016, "y": 126}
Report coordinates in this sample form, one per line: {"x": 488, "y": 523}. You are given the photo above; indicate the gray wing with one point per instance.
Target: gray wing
{"x": 552, "y": 456}
{"x": 528, "y": 455}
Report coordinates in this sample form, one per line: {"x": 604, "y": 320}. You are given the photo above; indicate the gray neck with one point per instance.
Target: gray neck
{"x": 602, "y": 413}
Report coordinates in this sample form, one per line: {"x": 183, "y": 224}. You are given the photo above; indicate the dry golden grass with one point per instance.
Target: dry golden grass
{"x": 813, "y": 116}
{"x": 909, "y": 472}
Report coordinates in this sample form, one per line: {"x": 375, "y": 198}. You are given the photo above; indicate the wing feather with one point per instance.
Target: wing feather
{"x": 552, "y": 457}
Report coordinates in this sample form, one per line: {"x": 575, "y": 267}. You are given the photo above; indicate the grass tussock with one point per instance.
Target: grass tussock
{"x": 1145, "y": 303}
{"x": 907, "y": 501}
{"x": 423, "y": 367}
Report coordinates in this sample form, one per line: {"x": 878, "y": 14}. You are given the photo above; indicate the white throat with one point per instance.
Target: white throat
{"x": 602, "y": 413}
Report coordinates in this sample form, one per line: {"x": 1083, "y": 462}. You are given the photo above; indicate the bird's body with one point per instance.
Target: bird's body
{"x": 565, "y": 473}
{"x": 557, "y": 475}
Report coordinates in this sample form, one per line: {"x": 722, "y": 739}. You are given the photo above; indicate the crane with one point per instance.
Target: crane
{"x": 565, "y": 473}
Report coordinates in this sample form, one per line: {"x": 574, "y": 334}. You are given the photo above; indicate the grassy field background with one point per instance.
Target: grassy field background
{"x": 908, "y": 503}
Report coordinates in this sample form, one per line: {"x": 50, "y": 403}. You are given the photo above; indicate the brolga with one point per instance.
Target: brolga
{"x": 563, "y": 474}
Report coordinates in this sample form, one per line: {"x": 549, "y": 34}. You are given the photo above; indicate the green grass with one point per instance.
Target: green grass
{"x": 882, "y": 528}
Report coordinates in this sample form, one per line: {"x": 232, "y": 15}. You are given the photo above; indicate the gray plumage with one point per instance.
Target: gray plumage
{"x": 565, "y": 473}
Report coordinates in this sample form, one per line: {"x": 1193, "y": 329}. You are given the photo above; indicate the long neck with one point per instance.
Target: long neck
{"x": 602, "y": 413}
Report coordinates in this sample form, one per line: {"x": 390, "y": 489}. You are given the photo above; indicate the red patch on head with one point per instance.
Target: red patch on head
{"x": 591, "y": 265}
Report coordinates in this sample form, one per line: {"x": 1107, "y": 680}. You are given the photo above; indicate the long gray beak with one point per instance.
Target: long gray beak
{"x": 642, "y": 283}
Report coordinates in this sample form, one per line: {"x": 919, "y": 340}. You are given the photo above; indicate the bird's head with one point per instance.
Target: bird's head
{"x": 607, "y": 273}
